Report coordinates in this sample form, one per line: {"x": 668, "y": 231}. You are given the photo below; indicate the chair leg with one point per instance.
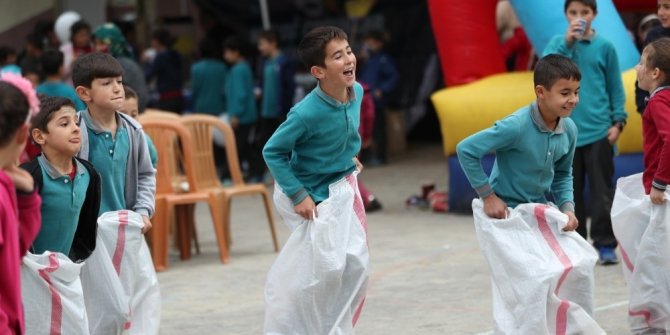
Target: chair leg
{"x": 217, "y": 220}
{"x": 225, "y": 203}
{"x": 268, "y": 210}
{"x": 184, "y": 231}
{"x": 159, "y": 238}
{"x": 194, "y": 230}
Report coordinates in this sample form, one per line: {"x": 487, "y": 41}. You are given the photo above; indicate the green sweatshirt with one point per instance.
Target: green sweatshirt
{"x": 316, "y": 144}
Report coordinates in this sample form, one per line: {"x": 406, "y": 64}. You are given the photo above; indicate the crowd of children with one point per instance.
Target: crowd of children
{"x": 90, "y": 141}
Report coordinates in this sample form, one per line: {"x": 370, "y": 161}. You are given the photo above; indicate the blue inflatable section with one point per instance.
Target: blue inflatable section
{"x": 461, "y": 194}
{"x": 543, "y": 19}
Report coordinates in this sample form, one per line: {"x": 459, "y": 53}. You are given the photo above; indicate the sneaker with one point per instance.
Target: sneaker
{"x": 607, "y": 256}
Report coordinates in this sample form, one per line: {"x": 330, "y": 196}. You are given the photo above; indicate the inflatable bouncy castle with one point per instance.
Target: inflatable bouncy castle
{"x": 479, "y": 91}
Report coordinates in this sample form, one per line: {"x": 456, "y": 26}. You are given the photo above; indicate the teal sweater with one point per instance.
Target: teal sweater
{"x": 208, "y": 78}
{"x": 531, "y": 160}
{"x": 240, "y": 93}
{"x": 316, "y": 144}
{"x": 601, "y": 94}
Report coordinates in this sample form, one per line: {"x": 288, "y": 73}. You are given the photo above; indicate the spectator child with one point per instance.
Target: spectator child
{"x": 53, "y": 85}
{"x": 242, "y": 107}
{"x": 131, "y": 108}
{"x": 600, "y": 119}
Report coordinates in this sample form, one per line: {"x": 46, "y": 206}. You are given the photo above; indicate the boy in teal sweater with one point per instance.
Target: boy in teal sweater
{"x": 534, "y": 146}
{"x": 70, "y": 187}
{"x": 600, "y": 118}
{"x": 317, "y": 285}
{"x": 241, "y": 107}
{"x": 54, "y": 86}
{"x": 318, "y": 143}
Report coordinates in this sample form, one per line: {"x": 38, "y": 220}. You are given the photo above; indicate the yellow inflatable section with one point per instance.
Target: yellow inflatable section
{"x": 469, "y": 108}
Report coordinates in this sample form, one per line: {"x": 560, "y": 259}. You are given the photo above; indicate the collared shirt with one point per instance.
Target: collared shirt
{"x": 109, "y": 155}
{"x": 62, "y": 200}
{"x": 315, "y": 146}
{"x": 531, "y": 159}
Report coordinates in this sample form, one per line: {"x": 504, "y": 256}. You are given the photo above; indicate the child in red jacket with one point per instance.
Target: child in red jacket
{"x": 19, "y": 203}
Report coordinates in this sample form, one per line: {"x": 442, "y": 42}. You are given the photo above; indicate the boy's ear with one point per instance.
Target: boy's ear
{"x": 38, "y": 136}
{"x": 318, "y": 72}
{"x": 83, "y": 93}
{"x": 539, "y": 91}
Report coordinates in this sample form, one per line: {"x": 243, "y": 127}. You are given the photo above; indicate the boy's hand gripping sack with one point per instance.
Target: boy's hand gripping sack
{"x": 644, "y": 240}
{"x": 53, "y": 301}
{"x": 317, "y": 284}
{"x": 542, "y": 277}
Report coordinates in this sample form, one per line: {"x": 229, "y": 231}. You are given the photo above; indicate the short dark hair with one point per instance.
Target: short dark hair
{"x": 658, "y": 56}
{"x": 79, "y": 26}
{"x": 13, "y": 111}
{"x": 129, "y": 92}
{"x": 92, "y": 66}
{"x": 235, "y": 43}
{"x": 270, "y": 35}
{"x": 48, "y": 106}
{"x": 51, "y": 61}
{"x": 587, "y": 3}
{"x": 553, "y": 67}
{"x": 164, "y": 37}
{"x": 376, "y": 35}
{"x": 210, "y": 48}
{"x": 312, "y": 48}
{"x": 5, "y": 52}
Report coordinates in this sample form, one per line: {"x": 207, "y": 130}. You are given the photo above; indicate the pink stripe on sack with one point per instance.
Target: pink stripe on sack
{"x": 626, "y": 259}
{"x": 359, "y": 208}
{"x": 562, "y": 313}
{"x": 643, "y": 313}
{"x": 358, "y": 312}
{"x": 120, "y": 241}
{"x": 56, "y": 303}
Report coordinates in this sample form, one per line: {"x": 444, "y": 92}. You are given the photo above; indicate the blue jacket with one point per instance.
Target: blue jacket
{"x": 380, "y": 73}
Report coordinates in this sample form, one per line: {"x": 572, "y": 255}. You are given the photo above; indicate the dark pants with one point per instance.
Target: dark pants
{"x": 267, "y": 128}
{"x": 248, "y": 151}
{"x": 379, "y": 135}
{"x": 596, "y": 161}
{"x": 172, "y": 104}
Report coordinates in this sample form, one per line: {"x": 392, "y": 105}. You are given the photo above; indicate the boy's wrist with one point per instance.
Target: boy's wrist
{"x": 659, "y": 185}
{"x": 567, "y": 207}
{"x": 484, "y": 191}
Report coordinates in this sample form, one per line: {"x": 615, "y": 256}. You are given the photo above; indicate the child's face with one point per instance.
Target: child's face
{"x": 340, "y": 62}
{"x": 646, "y": 76}
{"x": 663, "y": 12}
{"x": 560, "y": 99}
{"x": 130, "y": 107}
{"x": 266, "y": 47}
{"x": 578, "y": 10}
{"x": 82, "y": 38}
{"x": 106, "y": 94}
{"x": 231, "y": 56}
{"x": 62, "y": 135}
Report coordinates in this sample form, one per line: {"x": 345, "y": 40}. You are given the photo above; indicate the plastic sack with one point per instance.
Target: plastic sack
{"x": 120, "y": 232}
{"x": 542, "y": 277}
{"x": 53, "y": 301}
{"x": 106, "y": 302}
{"x": 317, "y": 284}
{"x": 644, "y": 240}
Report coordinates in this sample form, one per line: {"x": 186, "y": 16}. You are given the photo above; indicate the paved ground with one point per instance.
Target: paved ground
{"x": 428, "y": 275}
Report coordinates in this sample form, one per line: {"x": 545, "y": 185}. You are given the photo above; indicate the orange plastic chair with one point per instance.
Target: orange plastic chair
{"x": 206, "y": 179}
{"x": 166, "y": 134}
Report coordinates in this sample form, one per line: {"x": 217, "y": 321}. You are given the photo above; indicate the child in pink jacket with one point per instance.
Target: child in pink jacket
{"x": 19, "y": 203}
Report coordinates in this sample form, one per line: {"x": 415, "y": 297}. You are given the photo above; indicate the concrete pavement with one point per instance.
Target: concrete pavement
{"x": 428, "y": 275}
